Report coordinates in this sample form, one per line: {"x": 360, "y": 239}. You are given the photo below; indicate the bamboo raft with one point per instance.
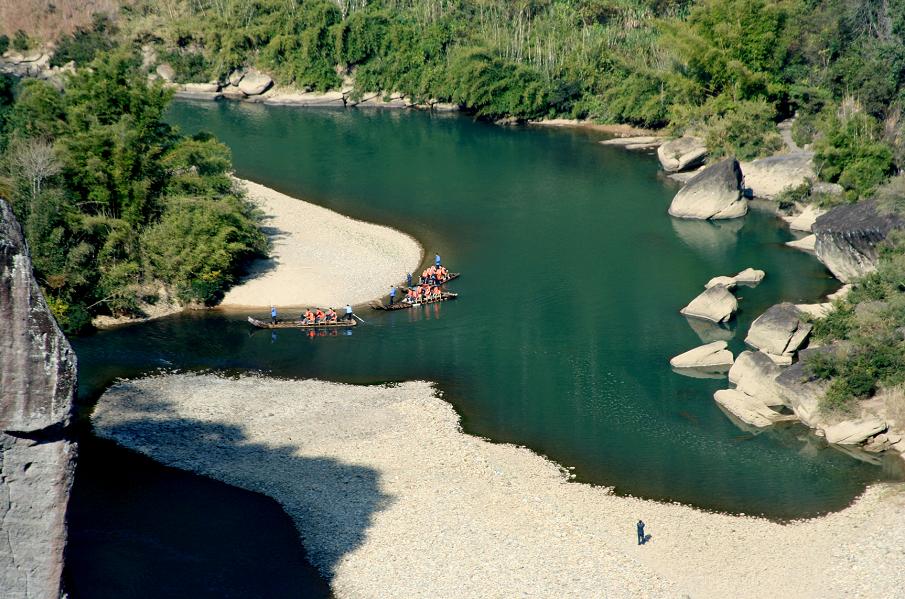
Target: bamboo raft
{"x": 299, "y": 324}
{"x": 402, "y": 305}
{"x": 452, "y": 275}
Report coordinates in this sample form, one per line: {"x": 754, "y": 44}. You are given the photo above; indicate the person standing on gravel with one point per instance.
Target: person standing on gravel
{"x": 640, "y": 527}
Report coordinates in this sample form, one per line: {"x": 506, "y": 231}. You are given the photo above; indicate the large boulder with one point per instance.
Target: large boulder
{"x": 37, "y": 456}
{"x": 235, "y": 77}
{"x": 847, "y": 238}
{"x": 749, "y": 410}
{"x": 853, "y": 432}
{"x": 714, "y": 193}
{"x": 779, "y": 332}
{"x": 682, "y": 153}
{"x": 768, "y": 177}
{"x": 754, "y": 374}
{"x": 801, "y": 390}
{"x": 750, "y": 277}
{"x": 711, "y": 355}
{"x": 716, "y": 304}
{"x": 255, "y": 83}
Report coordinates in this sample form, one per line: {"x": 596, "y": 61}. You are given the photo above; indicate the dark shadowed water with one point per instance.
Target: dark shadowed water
{"x": 141, "y": 530}
{"x": 568, "y": 313}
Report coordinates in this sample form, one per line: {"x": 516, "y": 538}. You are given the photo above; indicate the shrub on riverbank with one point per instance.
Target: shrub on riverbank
{"x": 870, "y": 324}
{"x": 112, "y": 199}
{"x": 82, "y": 45}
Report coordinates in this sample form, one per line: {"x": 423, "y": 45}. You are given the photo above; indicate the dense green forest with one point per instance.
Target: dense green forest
{"x": 114, "y": 203}
{"x": 726, "y": 69}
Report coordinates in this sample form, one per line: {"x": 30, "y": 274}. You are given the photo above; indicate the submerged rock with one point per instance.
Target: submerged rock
{"x": 847, "y": 238}
{"x": 37, "y": 457}
{"x": 711, "y": 355}
{"x": 714, "y": 193}
{"x": 779, "y": 332}
{"x": 768, "y": 177}
{"x": 716, "y": 304}
{"x": 682, "y": 153}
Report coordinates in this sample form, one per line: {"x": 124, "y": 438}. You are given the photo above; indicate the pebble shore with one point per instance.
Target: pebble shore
{"x": 320, "y": 257}
{"x": 392, "y": 499}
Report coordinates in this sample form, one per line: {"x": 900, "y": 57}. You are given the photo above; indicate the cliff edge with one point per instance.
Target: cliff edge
{"x": 37, "y": 456}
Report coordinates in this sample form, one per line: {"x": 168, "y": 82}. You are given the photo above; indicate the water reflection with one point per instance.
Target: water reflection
{"x": 711, "y": 239}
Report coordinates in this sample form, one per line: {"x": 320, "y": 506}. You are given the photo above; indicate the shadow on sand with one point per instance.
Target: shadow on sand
{"x": 139, "y": 529}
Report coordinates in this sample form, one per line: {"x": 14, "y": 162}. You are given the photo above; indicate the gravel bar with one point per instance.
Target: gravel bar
{"x": 320, "y": 257}
{"x": 392, "y": 499}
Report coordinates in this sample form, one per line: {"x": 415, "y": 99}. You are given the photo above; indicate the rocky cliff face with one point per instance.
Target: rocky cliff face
{"x": 37, "y": 457}
{"x": 847, "y": 238}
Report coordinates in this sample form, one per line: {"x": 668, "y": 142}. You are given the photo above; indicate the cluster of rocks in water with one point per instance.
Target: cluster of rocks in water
{"x": 771, "y": 382}
{"x": 37, "y": 452}
{"x": 844, "y": 238}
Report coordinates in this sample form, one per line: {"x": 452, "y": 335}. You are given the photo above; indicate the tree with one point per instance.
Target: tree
{"x": 35, "y": 161}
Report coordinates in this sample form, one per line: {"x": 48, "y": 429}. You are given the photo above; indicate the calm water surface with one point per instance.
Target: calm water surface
{"x": 568, "y": 309}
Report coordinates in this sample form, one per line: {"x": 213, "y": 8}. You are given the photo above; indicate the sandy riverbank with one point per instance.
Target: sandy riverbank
{"x": 393, "y": 500}
{"x": 320, "y": 257}
{"x": 616, "y": 130}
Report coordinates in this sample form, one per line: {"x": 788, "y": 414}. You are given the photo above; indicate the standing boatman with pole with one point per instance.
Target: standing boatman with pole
{"x": 273, "y": 314}
{"x": 348, "y": 311}
{"x": 437, "y": 260}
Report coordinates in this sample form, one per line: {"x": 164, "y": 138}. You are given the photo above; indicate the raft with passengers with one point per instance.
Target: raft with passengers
{"x": 309, "y": 319}
{"x": 427, "y": 291}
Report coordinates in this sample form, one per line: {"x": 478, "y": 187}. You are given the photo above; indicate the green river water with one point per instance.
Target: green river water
{"x": 568, "y": 309}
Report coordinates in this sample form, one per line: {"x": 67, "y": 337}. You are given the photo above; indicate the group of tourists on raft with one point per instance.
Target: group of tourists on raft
{"x": 316, "y": 316}
{"x": 434, "y": 275}
{"x": 428, "y": 288}
{"x": 422, "y": 294}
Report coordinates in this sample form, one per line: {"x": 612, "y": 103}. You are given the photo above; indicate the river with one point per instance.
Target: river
{"x": 573, "y": 275}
